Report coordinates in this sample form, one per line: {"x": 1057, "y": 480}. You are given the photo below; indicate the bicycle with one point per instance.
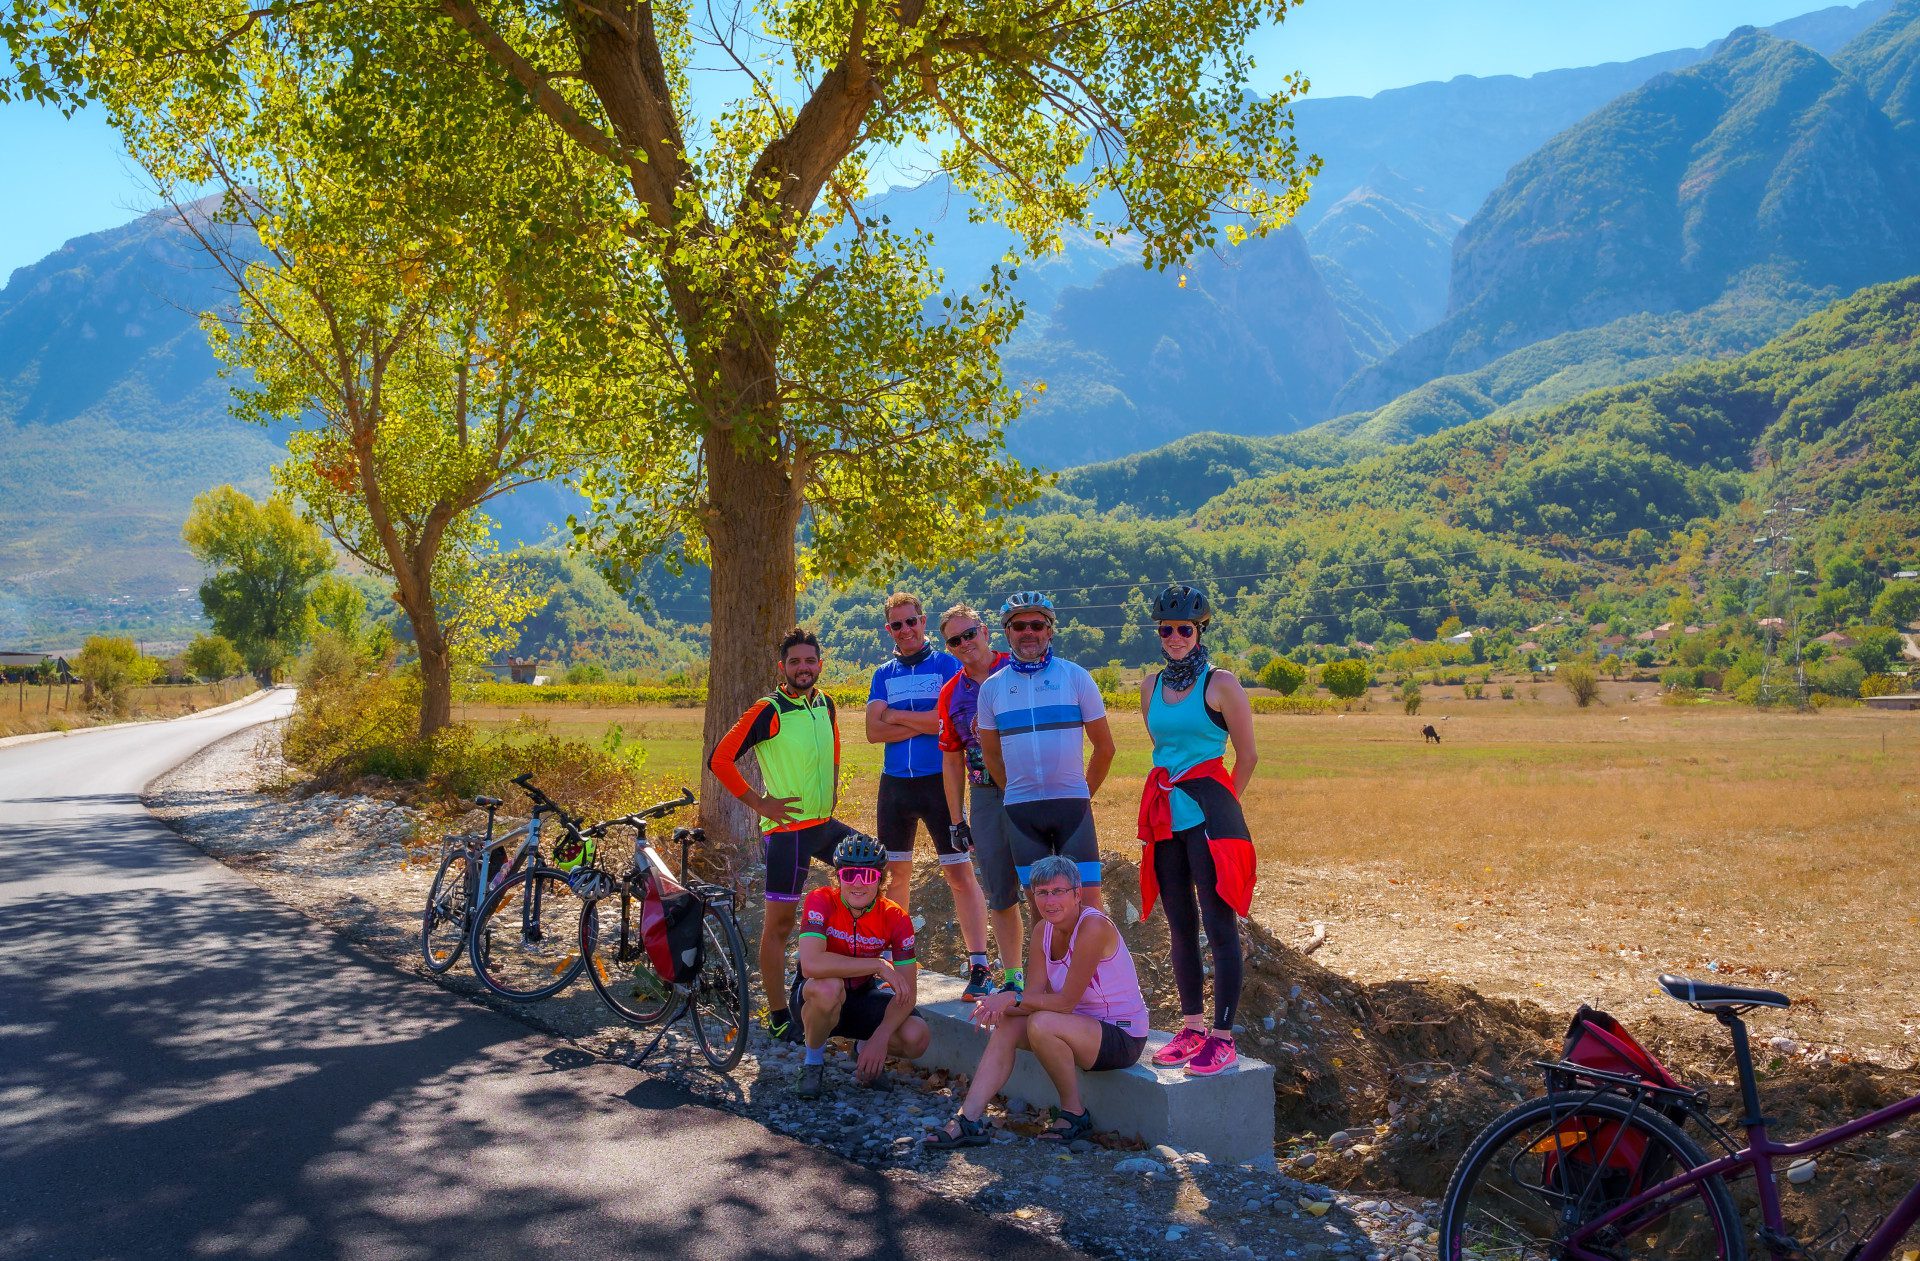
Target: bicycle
{"x": 646, "y": 987}
{"x": 520, "y": 939}
{"x": 469, "y": 864}
{"x": 1600, "y": 1168}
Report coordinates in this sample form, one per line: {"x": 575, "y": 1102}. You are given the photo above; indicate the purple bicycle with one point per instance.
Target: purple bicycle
{"x": 1601, "y": 1168}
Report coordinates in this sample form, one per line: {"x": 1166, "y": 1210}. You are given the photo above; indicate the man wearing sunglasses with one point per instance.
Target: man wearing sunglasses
{"x": 902, "y": 715}
{"x": 848, "y": 987}
{"x": 1036, "y": 715}
{"x": 984, "y": 828}
{"x": 795, "y": 737}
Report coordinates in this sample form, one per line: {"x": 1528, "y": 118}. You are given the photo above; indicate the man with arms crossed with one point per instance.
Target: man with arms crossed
{"x": 847, "y": 987}
{"x": 795, "y": 736}
{"x": 901, "y": 715}
{"x": 1032, "y": 716}
{"x": 964, "y": 771}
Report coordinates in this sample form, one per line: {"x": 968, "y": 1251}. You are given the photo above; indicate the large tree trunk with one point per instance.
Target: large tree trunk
{"x": 436, "y": 686}
{"x": 753, "y": 511}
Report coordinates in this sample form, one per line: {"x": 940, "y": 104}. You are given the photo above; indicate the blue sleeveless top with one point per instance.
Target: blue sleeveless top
{"x": 1185, "y": 733}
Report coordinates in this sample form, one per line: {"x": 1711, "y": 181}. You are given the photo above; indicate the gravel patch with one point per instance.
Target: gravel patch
{"x": 357, "y": 865}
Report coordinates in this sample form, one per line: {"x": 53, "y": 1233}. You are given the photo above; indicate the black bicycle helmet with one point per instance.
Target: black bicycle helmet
{"x": 1182, "y": 603}
{"x": 859, "y": 850}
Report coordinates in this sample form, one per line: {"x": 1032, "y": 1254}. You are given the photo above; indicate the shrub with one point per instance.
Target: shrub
{"x": 1346, "y": 679}
{"x": 1840, "y": 676}
{"x": 213, "y": 657}
{"x": 1410, "y": 697}
{"x": 109, "y": 665}
{"x": 1107, "y": 678}
{"x": 1282, "y": 676}
{"x": 1475, "y": 691}
{"x": 1882, "y": 685}
{"x": 586, "y": 672}
{"x": 331, "y": 655}
{"x": 1506, "y": 691}
{"x": 1291, "y": 704}
{"x": 1578, "y": 678}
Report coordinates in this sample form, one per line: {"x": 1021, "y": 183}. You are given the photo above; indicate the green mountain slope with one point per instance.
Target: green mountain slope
{"x": 1886, "y": 58}
{"x": 1764, "y": 159}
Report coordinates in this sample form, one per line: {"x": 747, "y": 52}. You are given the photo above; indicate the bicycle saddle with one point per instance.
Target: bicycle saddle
{"x": 1704, "y": 997}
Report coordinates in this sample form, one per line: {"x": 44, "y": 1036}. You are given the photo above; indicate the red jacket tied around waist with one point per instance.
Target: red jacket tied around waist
{"x": 1227, "y": 840}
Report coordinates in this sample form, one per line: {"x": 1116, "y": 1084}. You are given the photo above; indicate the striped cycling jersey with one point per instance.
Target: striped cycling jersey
{"x": 1040, "y": 718}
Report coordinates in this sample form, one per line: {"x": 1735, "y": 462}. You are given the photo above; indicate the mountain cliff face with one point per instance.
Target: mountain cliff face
{"x": 1252, "y": 342}
{"x": 1395, "y": 248}
{"x": 1766, "y": 158}
{"x": 1886, "y": 59}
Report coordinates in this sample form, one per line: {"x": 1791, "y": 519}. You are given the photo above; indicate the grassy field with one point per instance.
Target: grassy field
{"x": 31, "y": 707}
{"x": 1551, "y": 852}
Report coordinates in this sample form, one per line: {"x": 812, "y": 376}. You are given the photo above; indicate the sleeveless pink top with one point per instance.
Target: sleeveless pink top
{"x": 1113, "y": 992}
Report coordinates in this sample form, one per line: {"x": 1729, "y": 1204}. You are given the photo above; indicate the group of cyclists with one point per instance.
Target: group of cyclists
{"x": 999, "y": 754}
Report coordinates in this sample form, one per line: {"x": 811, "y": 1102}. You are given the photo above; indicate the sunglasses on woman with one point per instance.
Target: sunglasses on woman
{"x": 904, "y": 622}
{"x": 1168, "y": 632}
{"x": 859, "y": 875}
{"x": 964, "y": 637}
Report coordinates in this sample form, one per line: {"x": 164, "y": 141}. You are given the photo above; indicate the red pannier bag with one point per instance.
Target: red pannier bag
{"x": 670, "y": 928}
{"x": 1597, "y": 1154}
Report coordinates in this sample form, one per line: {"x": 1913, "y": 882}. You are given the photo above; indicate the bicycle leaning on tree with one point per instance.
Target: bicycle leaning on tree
{"x": 1601, "y": 1168}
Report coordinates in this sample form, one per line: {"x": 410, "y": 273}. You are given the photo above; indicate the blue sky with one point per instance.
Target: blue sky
{"x": 68, "y": 177}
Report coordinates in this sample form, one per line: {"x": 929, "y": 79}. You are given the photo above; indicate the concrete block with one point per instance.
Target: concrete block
{"x": 1228, "y": 1116}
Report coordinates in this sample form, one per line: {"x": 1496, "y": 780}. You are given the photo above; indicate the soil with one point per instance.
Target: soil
{"x": 1382, "y": 1083}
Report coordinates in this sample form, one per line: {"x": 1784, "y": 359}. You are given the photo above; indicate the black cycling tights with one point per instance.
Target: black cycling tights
{"x": 1184, "y": 866}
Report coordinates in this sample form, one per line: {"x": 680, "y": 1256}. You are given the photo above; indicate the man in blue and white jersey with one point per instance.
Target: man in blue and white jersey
{"x": 901, "y": 714}
{"x": 1035, "y": 717}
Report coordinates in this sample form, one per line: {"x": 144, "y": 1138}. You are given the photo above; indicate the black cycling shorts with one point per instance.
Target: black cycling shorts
{"x": 860, "y": 1014}
{"x": 1058, "y": 825}
{"x": 909, "y": 800}
{"x": 791, "y": 853}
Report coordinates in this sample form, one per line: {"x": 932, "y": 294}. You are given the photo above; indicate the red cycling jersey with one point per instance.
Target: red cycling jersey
{"x": 884, "y": 926}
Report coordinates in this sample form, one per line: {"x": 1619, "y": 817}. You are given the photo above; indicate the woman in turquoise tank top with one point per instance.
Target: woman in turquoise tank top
{"x": 1198, "y": 852}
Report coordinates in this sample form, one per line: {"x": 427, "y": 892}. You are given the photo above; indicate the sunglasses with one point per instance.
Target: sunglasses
{"x": 904, "y": 622}
{"x": 1168, "y": 632}
{"x": 859, "y": 875}
{"x": 964, "y": 637}
{"x": 1030, "y": 627}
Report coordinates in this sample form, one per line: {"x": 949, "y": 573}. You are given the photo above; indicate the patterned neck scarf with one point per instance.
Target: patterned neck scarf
{"x": 1031, "y": 667}
{"x": 919, "y": 655}
{"x": 1180, "y": 675}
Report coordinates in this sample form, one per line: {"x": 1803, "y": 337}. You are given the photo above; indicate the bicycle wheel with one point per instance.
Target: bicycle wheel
{"x": 720, "y": 991}
{"x": 617, "y": 962}
{"x": 1538, "y": 1174}
{"x": 447, "y": 919}
{"x": 526, "y": 944}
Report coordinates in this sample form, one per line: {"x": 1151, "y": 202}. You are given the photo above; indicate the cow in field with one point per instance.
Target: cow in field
{"x": 1433, "y": 737}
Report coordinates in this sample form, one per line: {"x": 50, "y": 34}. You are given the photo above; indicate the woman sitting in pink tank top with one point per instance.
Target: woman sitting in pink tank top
{"x": 1083, "y": 1010}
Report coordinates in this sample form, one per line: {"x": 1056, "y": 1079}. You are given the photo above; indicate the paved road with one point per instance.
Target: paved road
{"x": 190, "y": 1069}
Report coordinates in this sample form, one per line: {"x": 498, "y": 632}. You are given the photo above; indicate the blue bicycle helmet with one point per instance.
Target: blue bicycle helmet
{"x": 1182, "y": 603}
{"x": 859, "y": 850}
{"x": 1025, "y": 602}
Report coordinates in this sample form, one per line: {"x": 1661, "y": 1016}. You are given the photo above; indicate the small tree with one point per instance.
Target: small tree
{"x": 108, "y": 666}
{"x": 1580, "y": 679}
{"x": 213, "y": 657}
{"x": 264, "y": 560}
{"x": 1898, "y": 604}
{"x": 1282, "y": 676}
{"x": 1410, "y": 697}
{"x": 1346, "y": 679}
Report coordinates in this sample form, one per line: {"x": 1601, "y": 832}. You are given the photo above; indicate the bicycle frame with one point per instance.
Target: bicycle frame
{"x": 1759, "y": 1156}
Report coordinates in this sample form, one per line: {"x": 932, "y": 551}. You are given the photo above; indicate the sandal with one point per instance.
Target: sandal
{"x": 1077, "y": 1125}
{"x": 970, "y": 1133}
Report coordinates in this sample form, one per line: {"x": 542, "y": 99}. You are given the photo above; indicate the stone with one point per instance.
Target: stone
{"x": 1801, "y": 1171}
{"x": 1306, "y": 1160}
{"x": 1139, "y": 1164}
{"x": 1340, "y": 1140}
{"x": 1160, "y": 1151}
{"x": 1080, "y": 1147}
{"x": 1176, "y": 1233}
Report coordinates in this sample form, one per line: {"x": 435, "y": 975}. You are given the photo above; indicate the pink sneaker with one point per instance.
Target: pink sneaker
{"x": 1185, "y": 1045}
{"x": 1216, "y": 1056}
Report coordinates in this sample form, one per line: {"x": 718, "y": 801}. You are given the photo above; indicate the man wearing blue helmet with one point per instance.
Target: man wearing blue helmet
{"x": 1036, "y": 716}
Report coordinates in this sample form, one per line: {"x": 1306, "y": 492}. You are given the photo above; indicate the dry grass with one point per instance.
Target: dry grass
{"x": 1561, "y": 854}
{"x": 30, "y": 707}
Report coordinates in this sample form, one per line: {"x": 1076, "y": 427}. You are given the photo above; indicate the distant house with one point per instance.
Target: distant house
{"x": 1692, "y": 630}
{"x": 1772, "y": 623}
{"x": 1549, "y": 624}
{"x": 1662, "y": 631}
{"x": 1464, "y": 637}
{"x": 1529, "y": 646}
{"x": 523, "y": 669}
{"x": 1362, "y": 645}
{"x": 1615, "y": 642}
{"x": 1646, "y": 637}
{"x": 15, "y": 666}
{"x": 1900, "y": 700}
{"x": 1836, "y": 639}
